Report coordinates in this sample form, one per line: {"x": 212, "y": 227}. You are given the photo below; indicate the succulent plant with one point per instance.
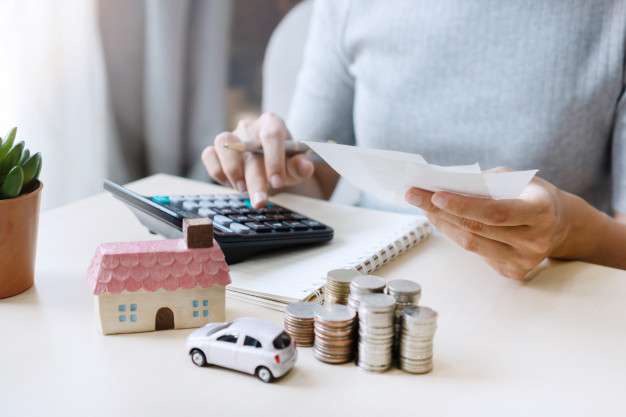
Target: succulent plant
{"x": 19, "y": 170}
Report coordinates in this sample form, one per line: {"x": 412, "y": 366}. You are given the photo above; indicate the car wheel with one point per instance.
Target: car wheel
{"x": 197, "y": 357}
{"x": 264, "y": 374}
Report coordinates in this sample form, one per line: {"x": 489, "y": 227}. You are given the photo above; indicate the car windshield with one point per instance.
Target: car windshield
{"x": 282, "y": 341}
{"x": 218, "y": 328}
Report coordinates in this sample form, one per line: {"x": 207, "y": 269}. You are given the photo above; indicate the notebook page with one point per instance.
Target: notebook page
{"x": 291, "y": 275}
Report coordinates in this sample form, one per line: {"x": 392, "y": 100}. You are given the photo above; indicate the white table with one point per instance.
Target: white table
{"x": 555, "y": 346}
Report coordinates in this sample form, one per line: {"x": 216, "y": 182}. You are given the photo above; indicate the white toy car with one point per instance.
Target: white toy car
{"x": 258, "y": 347}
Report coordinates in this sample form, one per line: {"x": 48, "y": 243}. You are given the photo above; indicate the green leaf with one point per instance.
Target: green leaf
{"x": 13, "y": 183}
{"x": 25, "y": 156}
{"x": 8, "y": 143}
{"x": 32, "y": 167}
{"x": 12, "y": 158}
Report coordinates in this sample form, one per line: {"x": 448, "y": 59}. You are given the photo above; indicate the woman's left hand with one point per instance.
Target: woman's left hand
{"x": 513, "y": 236}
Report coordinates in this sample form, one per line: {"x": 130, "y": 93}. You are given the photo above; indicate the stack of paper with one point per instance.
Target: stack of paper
{"x": 389, "y": 174}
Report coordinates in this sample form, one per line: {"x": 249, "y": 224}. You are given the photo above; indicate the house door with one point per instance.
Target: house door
{"x": 164, "y": 319}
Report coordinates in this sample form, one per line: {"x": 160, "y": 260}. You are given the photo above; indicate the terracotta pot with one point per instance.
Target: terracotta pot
{"x": 19, "y": 218}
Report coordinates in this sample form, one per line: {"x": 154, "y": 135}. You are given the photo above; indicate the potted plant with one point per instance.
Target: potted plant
{"x": 20, "y": 192}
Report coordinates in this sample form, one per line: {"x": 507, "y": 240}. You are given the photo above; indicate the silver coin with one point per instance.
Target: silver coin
{"x": 368, "y": 283}
{"x": 302, "y": 310}
{"x": 342, "y": 275}
{"x": 334, "y": 312}
{"x": 377, "y": 303}
{"x": 419, "y": 314}
{"x": 401, "y": 287}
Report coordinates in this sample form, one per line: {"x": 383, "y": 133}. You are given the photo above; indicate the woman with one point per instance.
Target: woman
{"x": 517, "y": 84}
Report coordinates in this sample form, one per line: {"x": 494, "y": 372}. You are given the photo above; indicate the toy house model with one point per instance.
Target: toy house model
{"x": 162, "y": 284}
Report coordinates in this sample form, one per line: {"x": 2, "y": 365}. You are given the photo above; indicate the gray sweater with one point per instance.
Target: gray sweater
{"x": 518, "y": 83}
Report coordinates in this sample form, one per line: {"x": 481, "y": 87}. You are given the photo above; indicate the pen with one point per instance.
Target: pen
{"x": 292, "y": 147}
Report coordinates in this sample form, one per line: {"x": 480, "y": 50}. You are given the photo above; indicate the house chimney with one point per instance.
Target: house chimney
{"x": 198, "y": 233}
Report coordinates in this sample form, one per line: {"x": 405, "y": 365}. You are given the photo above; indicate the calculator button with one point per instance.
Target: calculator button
{"x": 297, "y": 225}
{"x": 227, "y": 211}
{"x": 206, "y": 212}
{"x": 205, "y": 203}
{"x": 258, "y": 217}
{"x": 161, "y": 199}
{"x": 259, "y": 227}
{"x": 244, "y": 211}
{"x": 278, "y": 226}
{"x": 240, "y": 218}
{"x": 297, "y": 216}
{"x": 223, "y": 220}
{"x": 314, "y": 225}
{"x": 190, "y": 205}
{"x": 239, "y": 228}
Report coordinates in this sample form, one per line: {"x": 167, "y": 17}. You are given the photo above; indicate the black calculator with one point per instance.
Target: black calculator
{"x": 241, "y": 230}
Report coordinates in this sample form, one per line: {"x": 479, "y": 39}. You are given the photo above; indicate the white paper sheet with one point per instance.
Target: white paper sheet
{"x": 389, "y": 174}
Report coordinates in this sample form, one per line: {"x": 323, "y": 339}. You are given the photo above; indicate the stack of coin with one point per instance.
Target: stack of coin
{"x": 376, "y": 332}
{"x": 416, "y": 340}
{"x": 362, "y": 286}
{"x": 334, "y": 334}
{"x": 337, "y": 286}
{"x": 406, "y": 293}
{"x": 299, "y": 322}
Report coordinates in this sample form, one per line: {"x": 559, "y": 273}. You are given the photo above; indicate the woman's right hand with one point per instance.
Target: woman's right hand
{"x": 256, "y": 174}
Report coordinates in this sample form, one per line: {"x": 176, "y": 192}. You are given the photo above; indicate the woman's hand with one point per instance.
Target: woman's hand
{"x": 255, "y": 173}
{"x": 513, "y": 236}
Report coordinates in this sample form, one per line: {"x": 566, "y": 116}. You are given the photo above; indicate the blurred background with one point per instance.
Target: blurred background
{"x": 123, "y": 89}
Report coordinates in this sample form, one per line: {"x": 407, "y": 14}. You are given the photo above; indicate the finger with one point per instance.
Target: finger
{"x": 508, "y": 271}
{"x": 256, "y": 181}
{"x": 513, "y": 212}
{"x": 299, "y": 168}
{"x": 515, "y": 236}
{"x": 273, "y": 134}
{"x": 213, "y": 166}
{"x": 420, "y": 198}
{"x": 248, "y": 130}
{"x": 230, "y": 160}
{"x": 471, "y": 242}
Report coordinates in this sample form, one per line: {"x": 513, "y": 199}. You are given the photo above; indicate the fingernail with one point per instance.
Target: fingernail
{"x": 439, "y": 200}
{"x": 276, "y": 181}
{"x": 258, "y": 198}
{"x": 416, "y": 199}
{"x": 241, "y": 186}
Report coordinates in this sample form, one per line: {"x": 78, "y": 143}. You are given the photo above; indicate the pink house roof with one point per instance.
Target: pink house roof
{"x": 155, "y": 264}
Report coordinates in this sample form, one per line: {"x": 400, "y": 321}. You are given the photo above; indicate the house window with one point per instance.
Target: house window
{"x": 123, "y": 317}
{"x": 204, "y": 311}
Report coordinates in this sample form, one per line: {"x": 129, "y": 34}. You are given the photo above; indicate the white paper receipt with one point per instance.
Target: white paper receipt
{"x": 390, "y": 173}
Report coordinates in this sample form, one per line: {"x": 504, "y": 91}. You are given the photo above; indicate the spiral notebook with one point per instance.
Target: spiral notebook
{"x": 364, "y": 240}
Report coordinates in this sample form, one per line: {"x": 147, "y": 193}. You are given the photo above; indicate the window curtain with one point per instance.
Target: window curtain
{"x": 113, "y": 88}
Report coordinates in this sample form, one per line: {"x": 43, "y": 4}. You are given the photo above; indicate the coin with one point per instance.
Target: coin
{"x": 364, "y": 285}
{"x": 337, "y": 287}
{"x": 298, "y": 322}
{"x": 376, "y": 332}
{"x": 404, "y": 291}
{"x": 418, "y": 327}
{"x": 334, "y": 333}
